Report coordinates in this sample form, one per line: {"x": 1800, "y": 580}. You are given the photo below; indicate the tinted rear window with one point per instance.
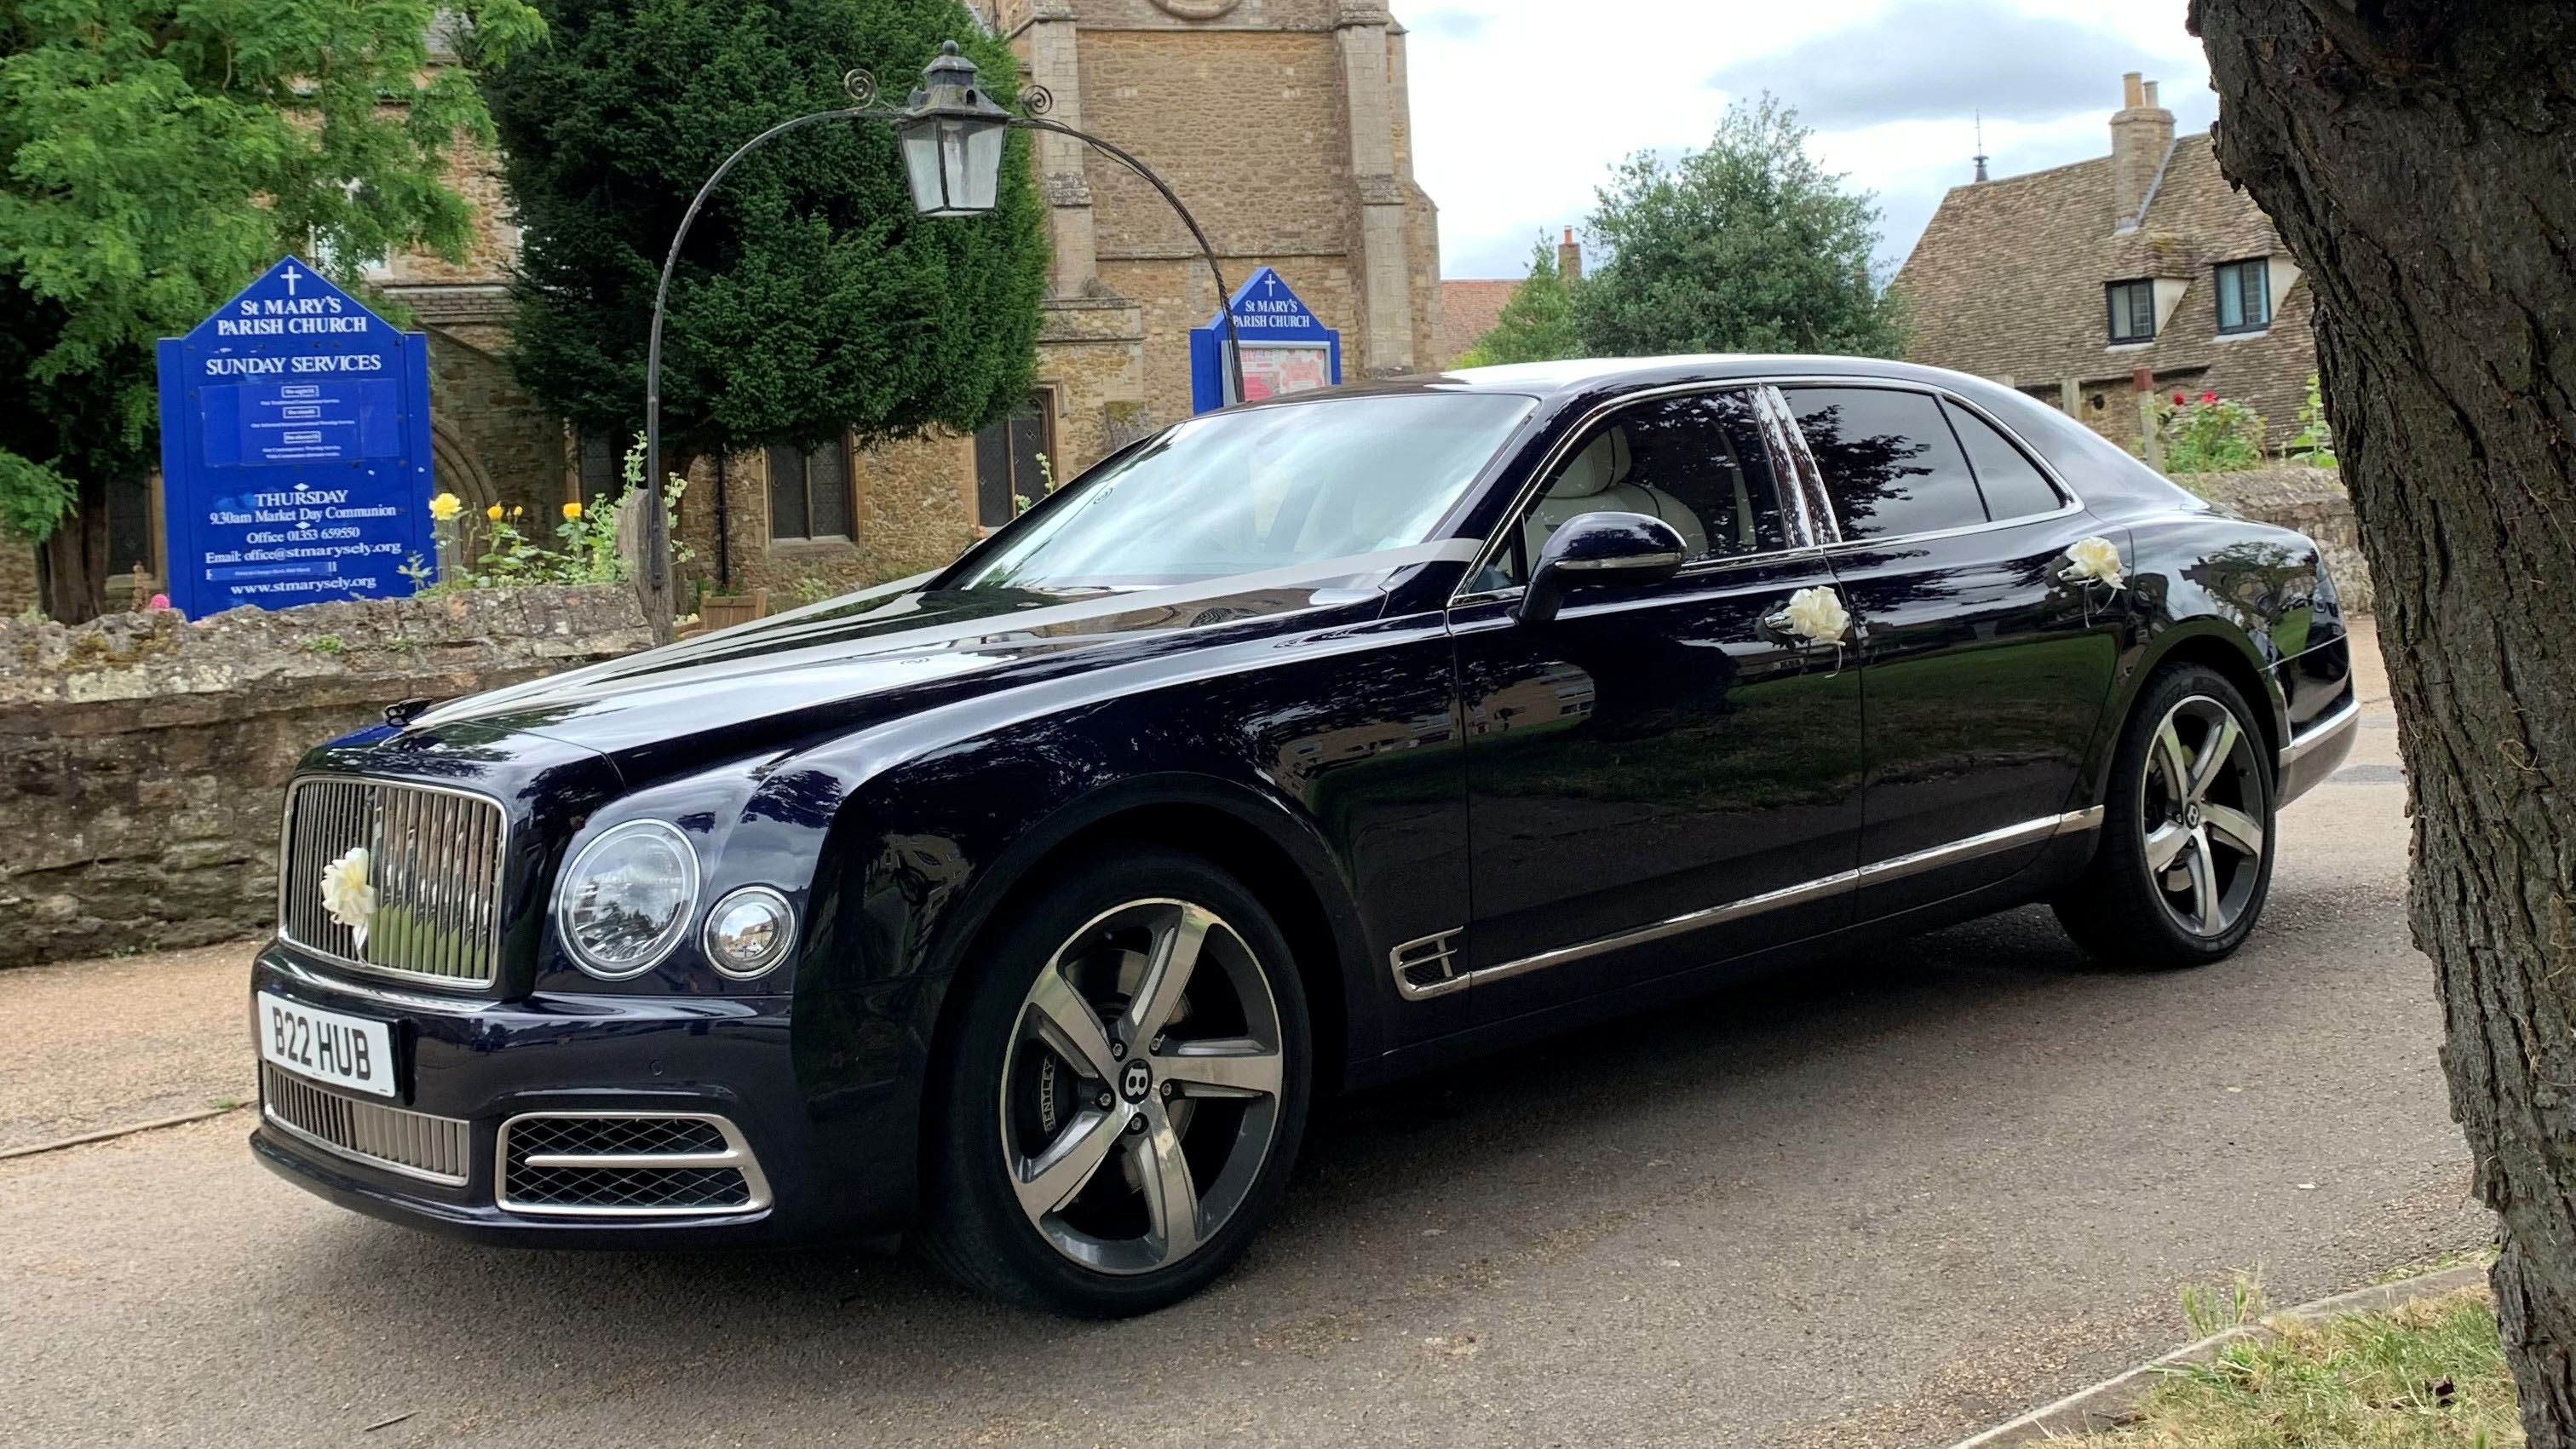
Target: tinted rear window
{"x": 2012, "y": 483}
{"x": 1890, "y": 463}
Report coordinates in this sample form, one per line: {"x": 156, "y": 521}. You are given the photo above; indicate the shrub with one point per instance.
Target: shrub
{"x": 2209, "y": 435}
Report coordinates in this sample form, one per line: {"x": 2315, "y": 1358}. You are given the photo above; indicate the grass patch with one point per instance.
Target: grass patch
{"x": 2429, "y": 1375}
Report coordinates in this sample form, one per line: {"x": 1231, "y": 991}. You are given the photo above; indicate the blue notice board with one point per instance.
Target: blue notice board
{"x": 1286, "y": 347}
{"x": 294, "y": 449}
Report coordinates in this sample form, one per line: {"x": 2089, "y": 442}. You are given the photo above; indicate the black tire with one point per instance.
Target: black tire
{"x": 2127, "y": 911}
{"x": 975, "y": 1226}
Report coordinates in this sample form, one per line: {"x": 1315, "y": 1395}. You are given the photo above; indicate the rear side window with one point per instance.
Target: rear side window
{"x": 2011, "y": 482}
{"x": 1890, "y": 463}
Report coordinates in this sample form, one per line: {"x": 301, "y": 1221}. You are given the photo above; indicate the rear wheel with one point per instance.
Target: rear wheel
{"x": 2186, "y": 861}
{"x": 1125, "y": 1094}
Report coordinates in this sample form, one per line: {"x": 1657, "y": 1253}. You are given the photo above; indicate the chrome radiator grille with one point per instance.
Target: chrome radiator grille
{"x": 408, "y": 1142}
{"x": 436, "y": 858}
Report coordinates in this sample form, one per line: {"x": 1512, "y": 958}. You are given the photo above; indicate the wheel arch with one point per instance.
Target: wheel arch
{"x": 2206, "y": 640}
{"x": 1275, "y": 856}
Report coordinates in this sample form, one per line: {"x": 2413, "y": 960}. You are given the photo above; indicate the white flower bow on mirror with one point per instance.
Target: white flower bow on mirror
{"x": 346, "y": 894}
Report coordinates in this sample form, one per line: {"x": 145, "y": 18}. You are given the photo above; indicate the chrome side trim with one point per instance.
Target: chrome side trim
{"x": 413, "y": 1144}
{"x": 2027, "y": 832}
{"x": 737, "y": 1155}
{"x": 2320, "y": 732}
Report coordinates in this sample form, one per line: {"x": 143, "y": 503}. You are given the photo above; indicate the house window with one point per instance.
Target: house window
{"x": 1008, "y": 477}
{"x": 809, "y": 491}
{"x": 2244, "y": 296}
{"x": 2133, "y": 311}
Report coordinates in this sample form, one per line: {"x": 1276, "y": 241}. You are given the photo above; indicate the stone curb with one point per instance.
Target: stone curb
{"x": 2106, "y": 1404}
{"x": 110, "y": 1134}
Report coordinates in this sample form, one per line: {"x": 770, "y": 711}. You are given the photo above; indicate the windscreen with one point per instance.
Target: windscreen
{"x": 1262, "y": 488}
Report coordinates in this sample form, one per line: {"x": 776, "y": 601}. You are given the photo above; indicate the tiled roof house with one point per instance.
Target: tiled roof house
{"x": 2065, "y": 283}
{"x": 1470, "y": 306}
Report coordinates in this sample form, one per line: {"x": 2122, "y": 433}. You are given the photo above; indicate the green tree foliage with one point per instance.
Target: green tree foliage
{"x": 160, "y": 153}
{"x": 810, "y": 297}
{"x": 1537, "y": 324}
{"x": 1747, "y": 246}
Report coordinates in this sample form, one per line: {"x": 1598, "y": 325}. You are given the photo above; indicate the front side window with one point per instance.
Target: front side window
{"x": 2133, "y": 311}
{"x": 1259, "y": 488}
{"x": 1696, "y": 462}
{"x": 2245, "y": 296}
{"x": 1890, "y": 464}
{"x": 809, "y": 492}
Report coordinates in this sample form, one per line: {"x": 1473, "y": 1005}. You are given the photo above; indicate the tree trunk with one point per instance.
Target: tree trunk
{"x": 2419, "y": 157}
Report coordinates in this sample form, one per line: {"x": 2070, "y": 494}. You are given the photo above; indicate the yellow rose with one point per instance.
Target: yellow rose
{"x": 445, "y": 506}
{"x": 493, "y": 513}
{"x": 518, "y": 512}
{"x": 571, "y": 512}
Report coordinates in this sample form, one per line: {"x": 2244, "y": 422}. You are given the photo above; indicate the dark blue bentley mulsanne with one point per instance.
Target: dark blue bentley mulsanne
{"x": 1027, "y": 907}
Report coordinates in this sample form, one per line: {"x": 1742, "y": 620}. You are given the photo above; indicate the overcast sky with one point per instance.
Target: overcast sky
{"x": 1520, "y": 107}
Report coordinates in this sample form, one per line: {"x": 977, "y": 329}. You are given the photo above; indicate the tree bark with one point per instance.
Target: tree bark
{"x": 2419, "y": 157}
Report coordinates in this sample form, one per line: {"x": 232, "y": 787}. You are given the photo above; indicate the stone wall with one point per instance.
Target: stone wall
{"x": 143, "y": 758}
{"x": 2311, "y": 500}
{"x": 18, "y": 592}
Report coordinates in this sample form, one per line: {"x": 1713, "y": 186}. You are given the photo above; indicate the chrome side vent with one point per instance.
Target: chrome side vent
{"x": 1427, "y": 966}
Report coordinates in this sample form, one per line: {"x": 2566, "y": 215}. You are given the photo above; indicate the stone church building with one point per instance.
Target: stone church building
{"x": 1285, "y": 126}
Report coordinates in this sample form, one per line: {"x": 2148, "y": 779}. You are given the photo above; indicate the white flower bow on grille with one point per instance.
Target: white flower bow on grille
{"x": 346, "y": 894}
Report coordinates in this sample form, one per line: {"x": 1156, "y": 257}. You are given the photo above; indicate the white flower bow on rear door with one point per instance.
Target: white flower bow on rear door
{"x": 2093, "y": 560}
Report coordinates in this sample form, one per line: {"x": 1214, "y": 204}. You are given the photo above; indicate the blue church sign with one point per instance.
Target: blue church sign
{"x": 294, "y": 449}
{"x": 1286, "y": 347}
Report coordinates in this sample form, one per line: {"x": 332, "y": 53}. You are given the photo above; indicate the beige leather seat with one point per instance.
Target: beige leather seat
{"x": 1596, "y": 481}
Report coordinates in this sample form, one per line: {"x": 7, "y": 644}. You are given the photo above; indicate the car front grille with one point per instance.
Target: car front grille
{"x": 415, "y": 1144}
{"x": 437, "y": 858}
{"x": 627, "y": 1164}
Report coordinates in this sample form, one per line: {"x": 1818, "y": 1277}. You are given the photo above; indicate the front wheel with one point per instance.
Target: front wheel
{"x": 1124, "y": 1095}
{"x": 2186, "y": 859}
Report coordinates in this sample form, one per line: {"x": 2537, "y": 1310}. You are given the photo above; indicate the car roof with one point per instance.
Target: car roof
{"x": 1594, "y": 374}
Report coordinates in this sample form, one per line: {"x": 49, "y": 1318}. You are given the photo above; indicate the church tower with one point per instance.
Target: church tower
{"x": 1284, "y": 126}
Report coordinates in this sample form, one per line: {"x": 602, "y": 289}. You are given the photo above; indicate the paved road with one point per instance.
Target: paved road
{"x": 1881, "y": 1203}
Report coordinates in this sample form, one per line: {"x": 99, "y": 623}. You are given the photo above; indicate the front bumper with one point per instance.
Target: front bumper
{"x": 480, "y": 1064}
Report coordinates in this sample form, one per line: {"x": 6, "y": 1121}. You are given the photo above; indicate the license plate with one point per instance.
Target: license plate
{"x": 343, "y": 1051}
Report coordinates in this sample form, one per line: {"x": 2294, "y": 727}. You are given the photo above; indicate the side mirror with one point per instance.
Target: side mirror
{"x": 1599, "y": 550}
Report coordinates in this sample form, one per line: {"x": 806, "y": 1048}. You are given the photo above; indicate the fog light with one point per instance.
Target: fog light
{"x": 750, "y": 931}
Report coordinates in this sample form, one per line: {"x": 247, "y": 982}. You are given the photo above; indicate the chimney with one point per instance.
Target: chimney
{"x": 1569, "y": 258}
{"x": 2141, "y": 133}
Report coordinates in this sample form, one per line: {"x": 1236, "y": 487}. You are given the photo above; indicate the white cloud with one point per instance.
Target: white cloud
{"x": 1521, "y": 107}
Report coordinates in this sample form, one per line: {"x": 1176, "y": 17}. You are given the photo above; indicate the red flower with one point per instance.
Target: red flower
{"x": 2209, "y": 397}
{"x": 2177, "y": 399}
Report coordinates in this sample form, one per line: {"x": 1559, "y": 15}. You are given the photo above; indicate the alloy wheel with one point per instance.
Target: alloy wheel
{"x": 1141, "y": 1092}
{"x": 2201, "y": 804}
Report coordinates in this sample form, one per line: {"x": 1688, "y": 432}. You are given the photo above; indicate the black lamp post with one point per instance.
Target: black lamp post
{"x": 951, "y": 134}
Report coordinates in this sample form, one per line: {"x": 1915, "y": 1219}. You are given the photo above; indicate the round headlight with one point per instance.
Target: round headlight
{"x": 750, "y": 931}
{"x": 624, "y": 902}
